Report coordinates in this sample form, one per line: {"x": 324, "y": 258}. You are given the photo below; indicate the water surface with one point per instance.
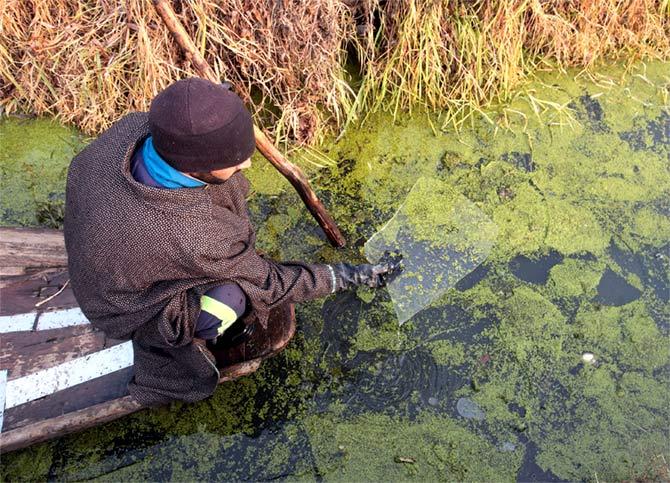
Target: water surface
{"x": 489, "y": 382}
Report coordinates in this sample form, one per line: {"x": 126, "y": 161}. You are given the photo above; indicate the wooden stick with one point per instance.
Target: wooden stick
{"x": 294, "y": 174}
{"x": 39, "y": 304}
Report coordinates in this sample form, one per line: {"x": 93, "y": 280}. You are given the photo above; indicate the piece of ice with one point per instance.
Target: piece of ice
{"x": 588, "y": 357}
{"x": 468, "y": 409}
{"x": 441, "y": 235}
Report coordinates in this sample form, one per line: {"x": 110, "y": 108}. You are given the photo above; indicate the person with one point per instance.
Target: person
{"x": 161, "y": 248}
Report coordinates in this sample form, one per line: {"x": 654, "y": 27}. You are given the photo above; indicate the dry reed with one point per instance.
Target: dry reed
{"x": 89, "y": 62}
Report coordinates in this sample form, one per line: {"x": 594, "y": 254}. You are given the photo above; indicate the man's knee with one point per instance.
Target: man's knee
{"x": 220, "y": 307}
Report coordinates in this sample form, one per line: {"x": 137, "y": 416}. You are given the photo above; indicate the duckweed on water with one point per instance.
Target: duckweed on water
{"x": 34, "y": 155}
{"x": 356, "y": 397}
{"x": 575, "y": 278}
{"x": 447, "y": 353}
{"x": 430, "y": 448}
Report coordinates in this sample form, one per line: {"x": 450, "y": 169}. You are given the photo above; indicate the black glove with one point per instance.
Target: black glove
{"x": 348, "y": 276}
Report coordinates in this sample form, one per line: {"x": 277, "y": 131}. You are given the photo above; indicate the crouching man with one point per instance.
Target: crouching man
{"x": 161, "y": 249}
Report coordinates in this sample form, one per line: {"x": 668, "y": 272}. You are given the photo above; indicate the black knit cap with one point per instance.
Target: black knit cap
{"x": 197, "y": 125}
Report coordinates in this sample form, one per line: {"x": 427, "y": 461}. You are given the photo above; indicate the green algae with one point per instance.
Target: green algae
{"x": 428, "y": 449}
{"x": 586, "y": 187}
{"x": 386, "y": 336}
{"x": 265, "y": 180}
{"x": 28, "y": 465}
{"x": 612, "y": 431}
{"x": 366, "y": 294}
{"x": 650, "y": 225}
{"x": 447, "y": 353}
{"x": 625, "y": 334}
{"x": 34, "y": 156}
{"x": 531, "y": 330}
{"x": 355, "y": 397}
{"x": 575, "y": 278}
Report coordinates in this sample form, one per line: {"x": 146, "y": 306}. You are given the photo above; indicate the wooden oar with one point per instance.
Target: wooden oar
{"x": 294, "y": 174}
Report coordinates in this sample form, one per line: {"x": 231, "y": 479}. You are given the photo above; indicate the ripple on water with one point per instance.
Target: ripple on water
{"x": 398, "y": 383}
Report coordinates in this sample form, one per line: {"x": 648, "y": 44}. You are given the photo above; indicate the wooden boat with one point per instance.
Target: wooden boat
{"x": 58, "y": 374}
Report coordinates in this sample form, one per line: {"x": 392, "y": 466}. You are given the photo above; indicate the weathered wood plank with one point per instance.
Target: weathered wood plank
{"x": 24, "y": 341}
{"x": 67, "y": 423}
{"x": 236, "y": 371}
{"x": 45, "y": 382}
{"x": 28, "y": 249}
{"x": 96, "y": 391}
{"x": 21, "y": 294}
{"x": 17, "y": 322}
{"x": 21, "y": 361}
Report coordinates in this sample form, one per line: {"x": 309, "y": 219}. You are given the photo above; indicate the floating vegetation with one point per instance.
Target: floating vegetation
{"x": 556, "y": 346}
{"x": 34, "y": 156}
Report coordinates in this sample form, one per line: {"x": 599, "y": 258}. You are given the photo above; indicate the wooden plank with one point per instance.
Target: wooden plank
{"x": 3, "y": 390}
{"x": 24, "y": 360}
{"x": 68, "y": 374}
{"x": 96, "y": 391}
{"x": 67, "y": 423}
{"x": 18, "y": 342}
{"x": 28, "y": 249}
{"x": 51, "y": 319}
{"x": 18, "y": 322}
{"x": 21, "y": 294}
{"x": 236, "y": 371}
{"x": 56, "y": 319}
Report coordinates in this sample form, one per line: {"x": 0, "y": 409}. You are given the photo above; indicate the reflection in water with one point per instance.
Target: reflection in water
{"x": 614, "y": 290}
{"x": 271, "y": 455}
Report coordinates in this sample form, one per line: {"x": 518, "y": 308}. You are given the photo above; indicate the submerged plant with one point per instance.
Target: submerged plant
{"x": 50, "y": 213}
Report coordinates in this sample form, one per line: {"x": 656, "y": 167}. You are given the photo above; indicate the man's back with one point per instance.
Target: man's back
{"x": 124, "y": 256}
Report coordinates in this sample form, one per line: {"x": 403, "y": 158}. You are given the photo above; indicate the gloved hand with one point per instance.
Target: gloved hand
{"x": 348, "y": 276}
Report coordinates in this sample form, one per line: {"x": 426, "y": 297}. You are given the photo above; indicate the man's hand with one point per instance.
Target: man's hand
{"x": 348, "y": 276}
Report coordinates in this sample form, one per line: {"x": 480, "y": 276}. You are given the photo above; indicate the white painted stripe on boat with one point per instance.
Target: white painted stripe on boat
{"x": 68, "y": 374}
{"x": 3, "y": 388}
{"x": 61, "y": 318}
{"x": 54, "y": 319}
{"x": 18, "y": 322}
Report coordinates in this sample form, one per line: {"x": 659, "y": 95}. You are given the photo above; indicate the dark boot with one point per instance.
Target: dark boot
{"x": 255, "y": 342}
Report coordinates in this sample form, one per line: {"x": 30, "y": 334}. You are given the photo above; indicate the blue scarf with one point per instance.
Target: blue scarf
{"x": 164, "y": 174}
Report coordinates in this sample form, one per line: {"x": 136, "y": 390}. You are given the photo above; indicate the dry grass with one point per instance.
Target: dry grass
{"x": 91, "y": 61}
{"x": 459, "y": 56}
{"x": 86, "y": 62}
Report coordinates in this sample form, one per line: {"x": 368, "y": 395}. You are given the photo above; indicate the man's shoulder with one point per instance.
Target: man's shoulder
{"x": 131, "y": 125}
{"x": 129, "y": 129}
{"x": 123, "y": 133}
